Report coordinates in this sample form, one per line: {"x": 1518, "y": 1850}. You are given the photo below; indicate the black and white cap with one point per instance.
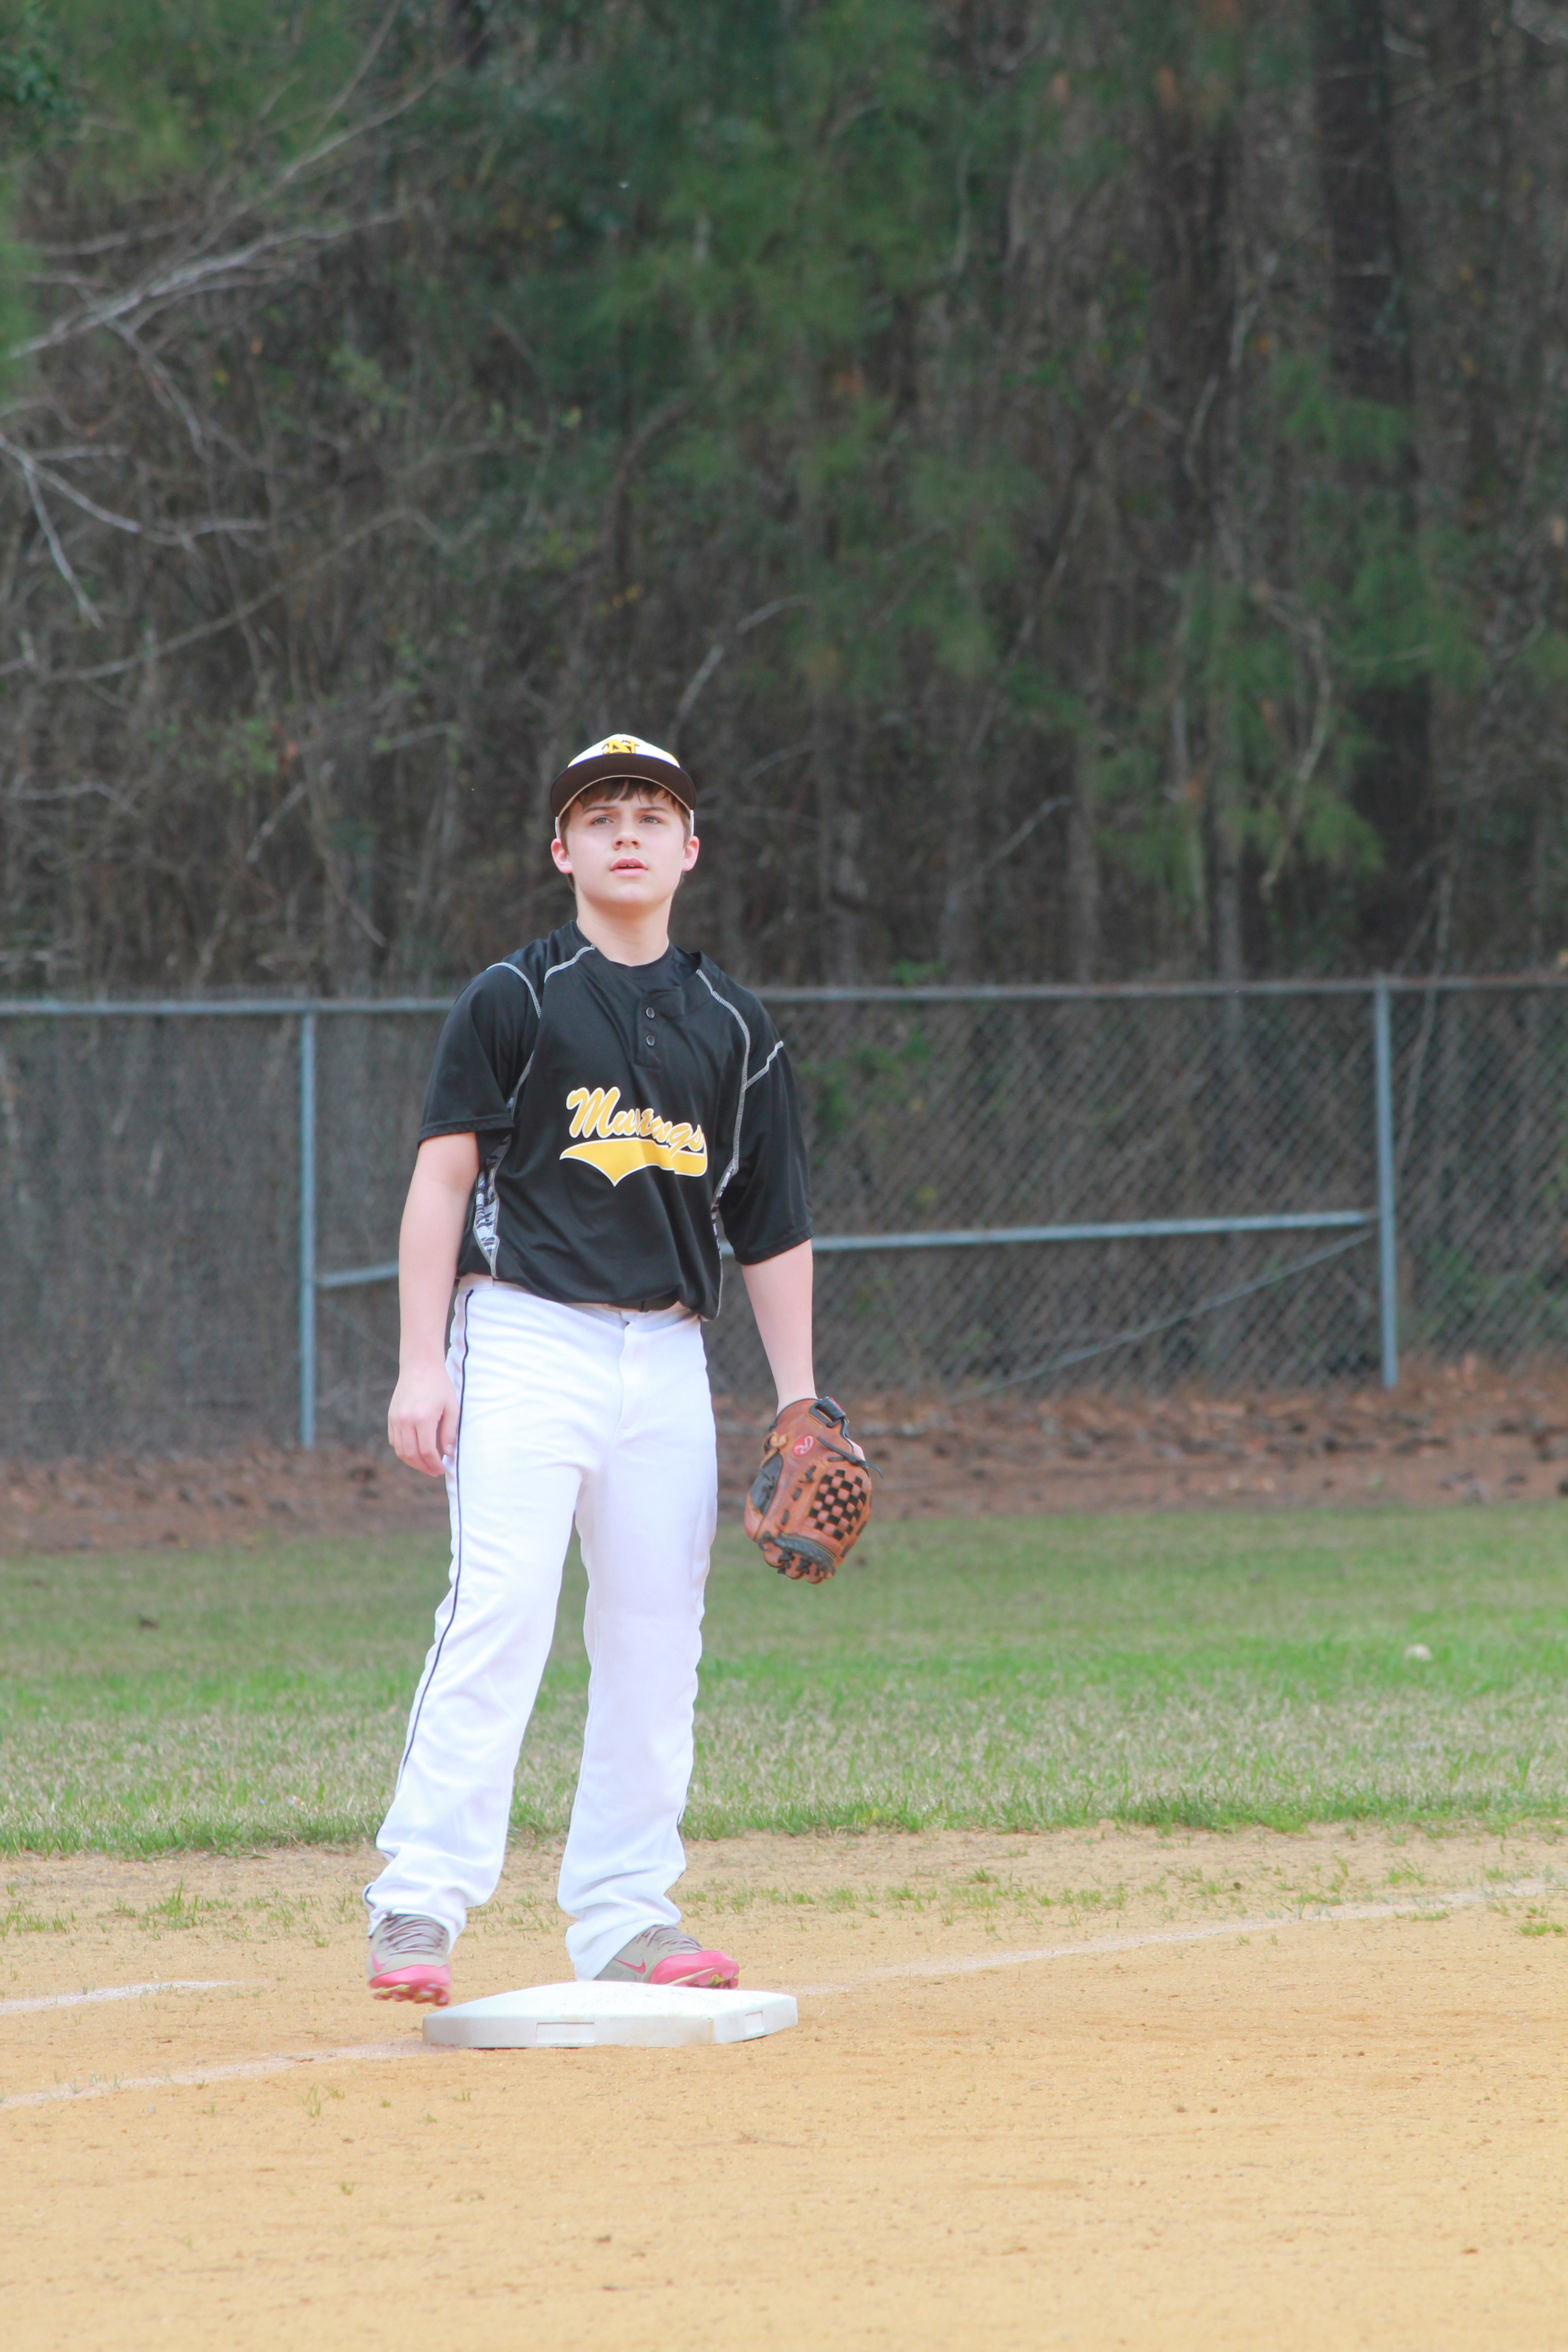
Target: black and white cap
{"x": 618, "y": 757}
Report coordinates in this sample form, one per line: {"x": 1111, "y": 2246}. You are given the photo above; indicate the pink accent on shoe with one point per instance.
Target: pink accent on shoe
{"x": 425, "y": 1980}
{"x": 707, "y": 1968}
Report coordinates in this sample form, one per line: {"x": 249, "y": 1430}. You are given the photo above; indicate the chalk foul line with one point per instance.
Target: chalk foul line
{"x": 112, "y": 1992}
{"x": 1314, "y": 1915}
{"x": 281, "y": 2061}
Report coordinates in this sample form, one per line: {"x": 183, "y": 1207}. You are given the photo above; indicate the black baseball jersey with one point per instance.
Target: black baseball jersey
{"x": 620, "y": 1109}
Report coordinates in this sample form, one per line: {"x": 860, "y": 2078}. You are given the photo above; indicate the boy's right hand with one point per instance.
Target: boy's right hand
{"x": 422, "y": 1419}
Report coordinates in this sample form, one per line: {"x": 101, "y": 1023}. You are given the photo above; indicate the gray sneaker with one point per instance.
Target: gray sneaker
{"x": 407, "y": 1959}
{"x": 669, "y": 1956}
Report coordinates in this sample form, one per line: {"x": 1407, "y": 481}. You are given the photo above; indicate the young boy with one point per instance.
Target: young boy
{"x": 597, "y": 1099}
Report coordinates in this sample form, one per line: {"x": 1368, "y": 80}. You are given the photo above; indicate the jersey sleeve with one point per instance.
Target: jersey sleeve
{"x": 485, "y": 1049}
{"x": 766, "y": 1205}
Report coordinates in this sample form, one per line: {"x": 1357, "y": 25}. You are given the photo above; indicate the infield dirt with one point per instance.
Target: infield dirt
{"x": 1223, "y": 2110}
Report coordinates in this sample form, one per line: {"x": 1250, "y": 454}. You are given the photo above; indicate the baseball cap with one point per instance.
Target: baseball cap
{"x": 621, "y": 756}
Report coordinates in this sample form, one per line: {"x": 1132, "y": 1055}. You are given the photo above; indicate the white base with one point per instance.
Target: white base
{"x": 581, "y": 2016}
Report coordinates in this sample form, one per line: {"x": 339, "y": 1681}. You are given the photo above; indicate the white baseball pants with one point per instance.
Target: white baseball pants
{"x": 604, "y": 1415}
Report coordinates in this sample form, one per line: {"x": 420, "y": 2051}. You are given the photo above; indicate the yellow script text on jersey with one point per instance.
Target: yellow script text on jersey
{"x": 616, "y": 1142}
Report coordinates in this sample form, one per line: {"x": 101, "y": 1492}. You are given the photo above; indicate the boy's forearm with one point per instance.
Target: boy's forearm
{"x": 433, "y": 1217}
{"x": 427, "y": 1269}
{"x": 780, "y": 1291}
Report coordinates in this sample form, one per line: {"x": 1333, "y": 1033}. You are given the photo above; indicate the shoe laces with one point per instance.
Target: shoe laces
{"x": 413, "y": 1935}
{"x": 669, "y": 1940}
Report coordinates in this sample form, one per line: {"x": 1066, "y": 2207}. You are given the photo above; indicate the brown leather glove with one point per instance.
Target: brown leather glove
{"x": 812, "y": 1495}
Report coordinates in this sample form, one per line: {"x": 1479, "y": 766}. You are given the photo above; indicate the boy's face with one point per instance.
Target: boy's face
{"x": 626, "y": 855}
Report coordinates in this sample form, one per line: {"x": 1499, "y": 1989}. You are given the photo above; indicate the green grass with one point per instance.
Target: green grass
{"x": 1009, "y": 1674}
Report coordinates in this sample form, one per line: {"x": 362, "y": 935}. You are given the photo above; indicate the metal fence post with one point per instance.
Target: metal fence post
{"x": 1387, "y": 1260}
{"x": 308, "y": 1229}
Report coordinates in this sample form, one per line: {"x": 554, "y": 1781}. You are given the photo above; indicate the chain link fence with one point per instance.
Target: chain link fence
{"x": 1112, "y": 1187}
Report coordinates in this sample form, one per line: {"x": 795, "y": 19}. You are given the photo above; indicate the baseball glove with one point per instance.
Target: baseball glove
{"x": 812, "y": 1495}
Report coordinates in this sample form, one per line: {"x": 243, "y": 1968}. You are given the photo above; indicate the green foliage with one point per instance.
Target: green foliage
{"x": 176, "y": 86}
{"x": 17, "y": 318}
{"x": 364, "y": 379}
{"x": 34, "y": 97}
{"x": 995, "y": 373}
{"x": 37, "y": 106}
{"x": 1546, "y": 661}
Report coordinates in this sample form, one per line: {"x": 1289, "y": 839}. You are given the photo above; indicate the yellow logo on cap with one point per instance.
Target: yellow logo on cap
{"x": 620, "y": 743}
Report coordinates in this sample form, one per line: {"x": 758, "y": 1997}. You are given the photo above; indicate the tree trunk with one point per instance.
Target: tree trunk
{"x": 1195, "y": 191}
{"x": 1229, "y": 959}
{"x": 1083, "y": 865}
{"x": 962, "y": 881}
{"x": 1370, "y": 340}
{"x": 468, "y": 37}
{"x": 1480, "y": 201}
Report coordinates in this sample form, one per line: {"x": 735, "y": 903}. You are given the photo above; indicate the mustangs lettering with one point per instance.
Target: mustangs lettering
{"x": 616, "y": 1142}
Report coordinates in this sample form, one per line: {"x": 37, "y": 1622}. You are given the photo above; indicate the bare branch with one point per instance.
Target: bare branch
{"x": 181, "y": 535}
{"x": 157, "y": 649}
{"x": 1020, "y": 834}
{"x": 717, "y": 651}
{"x": 1311, "y": 630}
{"x": 84, "y": 603}
{"x": 213, "y": 275}
{"x": 1545, "y": 24}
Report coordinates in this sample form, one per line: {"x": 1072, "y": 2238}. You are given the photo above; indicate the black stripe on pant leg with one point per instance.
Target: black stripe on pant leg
{"x": 458, "y": 1578}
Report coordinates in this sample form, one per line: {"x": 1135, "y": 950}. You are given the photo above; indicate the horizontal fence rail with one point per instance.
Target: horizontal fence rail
{"x": 1121, "y": 1183}
{"x": 1146, "y": 1229}
{"x": 1151, "y": 1229}
{"x": 1030, "y": 991}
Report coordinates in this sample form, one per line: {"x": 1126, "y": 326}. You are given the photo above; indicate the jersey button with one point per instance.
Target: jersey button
{"x": 649, "y": 1014}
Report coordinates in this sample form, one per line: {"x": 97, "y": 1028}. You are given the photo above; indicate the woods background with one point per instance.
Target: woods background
{"x": 1084, "y": 488}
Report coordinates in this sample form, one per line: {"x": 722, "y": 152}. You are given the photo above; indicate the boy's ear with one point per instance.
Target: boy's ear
{"x": 561, "y": 854}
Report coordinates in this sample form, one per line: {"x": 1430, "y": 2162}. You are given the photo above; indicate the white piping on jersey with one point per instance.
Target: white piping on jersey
{"x": 538, "y": 1015}
{"x": 517, "y": 974}
{"x": 735, "y": 1015}
{"x": 556, "y": 969}
{"x": 767, "y": 1065}
{"x": 486, "y": 1215}
{"x": 748, "y": 1078}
